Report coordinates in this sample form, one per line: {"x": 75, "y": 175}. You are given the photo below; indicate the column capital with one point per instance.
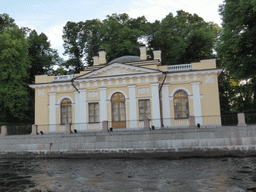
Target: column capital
{"x": 82, "y": 90}
{"x": 131, "y": 86}
{"x": 195, "y": 83}
{"x": 51, "y": 94}
{"x": 154, "y": 84}
{"x": 102, "y": 88}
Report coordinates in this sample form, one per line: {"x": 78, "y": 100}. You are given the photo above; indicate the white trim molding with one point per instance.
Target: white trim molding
{"x": 132, "y": 102}
{"x": 110, "y": 95}
{"x": 77, "y": 107}
{"x": 197, "y": 102}
{"x": 52, "y": 113}
{"x": 166, "y": 104}
{"x": 155, "y": 104}
{"x": 64, "y": 97}
{"x": 103, "y": 104}
{"x": 180, "y": 88}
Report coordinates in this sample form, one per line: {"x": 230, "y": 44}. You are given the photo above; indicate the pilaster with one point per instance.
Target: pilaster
{"x": 166, "y": 105}
{"x": 197, "y": 102}
{"x": 103, "y": 104}
{"x": 155, "y": 104}
{"x": 52, "y": 114}
{"x": 132, "y": 102}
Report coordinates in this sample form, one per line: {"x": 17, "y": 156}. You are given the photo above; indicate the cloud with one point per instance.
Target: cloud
{"x": 158, "y": 9}
{"x": 54, "y": 33}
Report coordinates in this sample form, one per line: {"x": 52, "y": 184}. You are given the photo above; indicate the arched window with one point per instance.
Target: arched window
{"x": 181, "y": 107}
{"x": 66, "y": 111}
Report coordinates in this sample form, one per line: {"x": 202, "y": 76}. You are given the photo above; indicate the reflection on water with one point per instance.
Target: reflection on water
{"x": 195, "y": 174}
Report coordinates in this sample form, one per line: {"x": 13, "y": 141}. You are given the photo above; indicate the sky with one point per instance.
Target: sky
{"x": 50, "y": 16}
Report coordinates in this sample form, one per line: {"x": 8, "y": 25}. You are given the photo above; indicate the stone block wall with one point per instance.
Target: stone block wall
{"x": 153, "y": 143}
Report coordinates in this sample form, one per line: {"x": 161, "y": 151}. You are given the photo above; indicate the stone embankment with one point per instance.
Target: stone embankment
{"x": 163, "y": 143}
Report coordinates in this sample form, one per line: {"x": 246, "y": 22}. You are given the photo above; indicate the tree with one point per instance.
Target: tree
{"x": 6, "y": 22}
{"x": 184, "y": 38}
{"x": 121, "y": 35}
{"x": 74, "y": 45}
{"x": 237, "y": 50}
{"x": 41, "y": 56}
{"x": 13, "y": 71}
{"x": 117, "y": 34}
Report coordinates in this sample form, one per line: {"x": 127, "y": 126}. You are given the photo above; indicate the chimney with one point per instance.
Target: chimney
{"x": 143, "y": 53}
{"x": 95, "y": 60}
{"x": 157, "y": 55}
{"x": 102, "y": 56}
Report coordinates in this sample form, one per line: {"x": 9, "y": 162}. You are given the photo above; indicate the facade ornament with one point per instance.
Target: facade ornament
{"x": 93, "y": 94}
{"x": 142, "y": 91}
{"x": 41, "y": 92}
{"x": 209, "y": 79}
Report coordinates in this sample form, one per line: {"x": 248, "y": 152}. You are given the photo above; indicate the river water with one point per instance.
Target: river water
{"x": 193, "y": 174}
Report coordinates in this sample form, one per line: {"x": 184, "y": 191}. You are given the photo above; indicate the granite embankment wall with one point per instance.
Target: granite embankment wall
{"x": 221, "y": 141}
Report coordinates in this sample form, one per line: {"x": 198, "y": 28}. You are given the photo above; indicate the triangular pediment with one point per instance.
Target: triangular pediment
{"x": 117, "y": 69}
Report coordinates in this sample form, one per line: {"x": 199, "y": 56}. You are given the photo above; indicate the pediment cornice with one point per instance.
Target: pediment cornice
{"x": 116, "y": 69}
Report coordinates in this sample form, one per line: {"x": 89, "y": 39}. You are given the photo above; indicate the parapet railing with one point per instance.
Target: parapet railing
{"x": 64, "y": 77}
{"x": 182, "y": 67}
{"x": 239, "y": 119}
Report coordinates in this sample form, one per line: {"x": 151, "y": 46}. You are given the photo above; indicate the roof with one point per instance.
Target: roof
{"x": 125, "y": 59}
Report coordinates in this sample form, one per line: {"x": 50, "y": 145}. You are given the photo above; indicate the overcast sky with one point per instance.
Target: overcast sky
{"x": 49, "y": 16}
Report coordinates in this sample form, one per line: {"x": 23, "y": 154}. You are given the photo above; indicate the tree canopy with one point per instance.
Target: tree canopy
{"x": 13, "y": 71}
{"x": 237, "y": 51}
{"x": 184, "y": 38}
{"x": 23, "y": 54}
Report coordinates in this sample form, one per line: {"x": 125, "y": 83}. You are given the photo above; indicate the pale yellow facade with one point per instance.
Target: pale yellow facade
{"x": 137, "y": 81}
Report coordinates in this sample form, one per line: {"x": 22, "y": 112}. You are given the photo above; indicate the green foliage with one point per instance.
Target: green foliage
{"x": 184, "y": 38}
{"x": 21, "y": 59}
{"x": 6, "y": 22}
{"x": 237, "y": 51}
{"x": 41, "y": 56}
{"x": 117, "y": 34}
{"x": 60, "y": 71}
{"x": 121, "y": 35}
{"x": 13, "y": 71}
{"x": 74, "y": 45}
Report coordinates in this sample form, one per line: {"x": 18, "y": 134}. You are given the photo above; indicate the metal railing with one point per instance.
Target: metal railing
{"x": 86, "y": 127}
{"x": 250, "y": 118}
{"x": 51, "y": 128}
{"x": 64, "y": 77}
{"x": 129, "y": 125}
{"x": 19, "y": 130}
{"x": 182, "y": 67}
{"x": 136, "y": 125}
{"x": 229, "y": 120}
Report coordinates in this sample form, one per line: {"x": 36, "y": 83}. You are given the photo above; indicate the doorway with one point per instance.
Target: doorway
{"x": 118, "y": 110}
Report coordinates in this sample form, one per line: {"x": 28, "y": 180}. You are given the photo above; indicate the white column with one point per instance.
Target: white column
{"x": 83, "y": 107}
{"x": 52, "y": 114}
{"x": 77, "y": 107}
{"x": 132, "y": 102}
{"x": 132, "y": 106}
{"x": 82, "y": 111}
{"x": 155, "y": 105}
{"x": 197, "y": 102}
{"x": 166, "y": 105}
{"x": 103, "y": 104}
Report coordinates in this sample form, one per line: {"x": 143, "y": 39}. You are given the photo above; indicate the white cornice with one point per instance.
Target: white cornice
{"x": 50, "y": 85}
{"x": 195, "y": 72}
{"x": 117, "y": 65}
{"x": 120, "y": 77}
